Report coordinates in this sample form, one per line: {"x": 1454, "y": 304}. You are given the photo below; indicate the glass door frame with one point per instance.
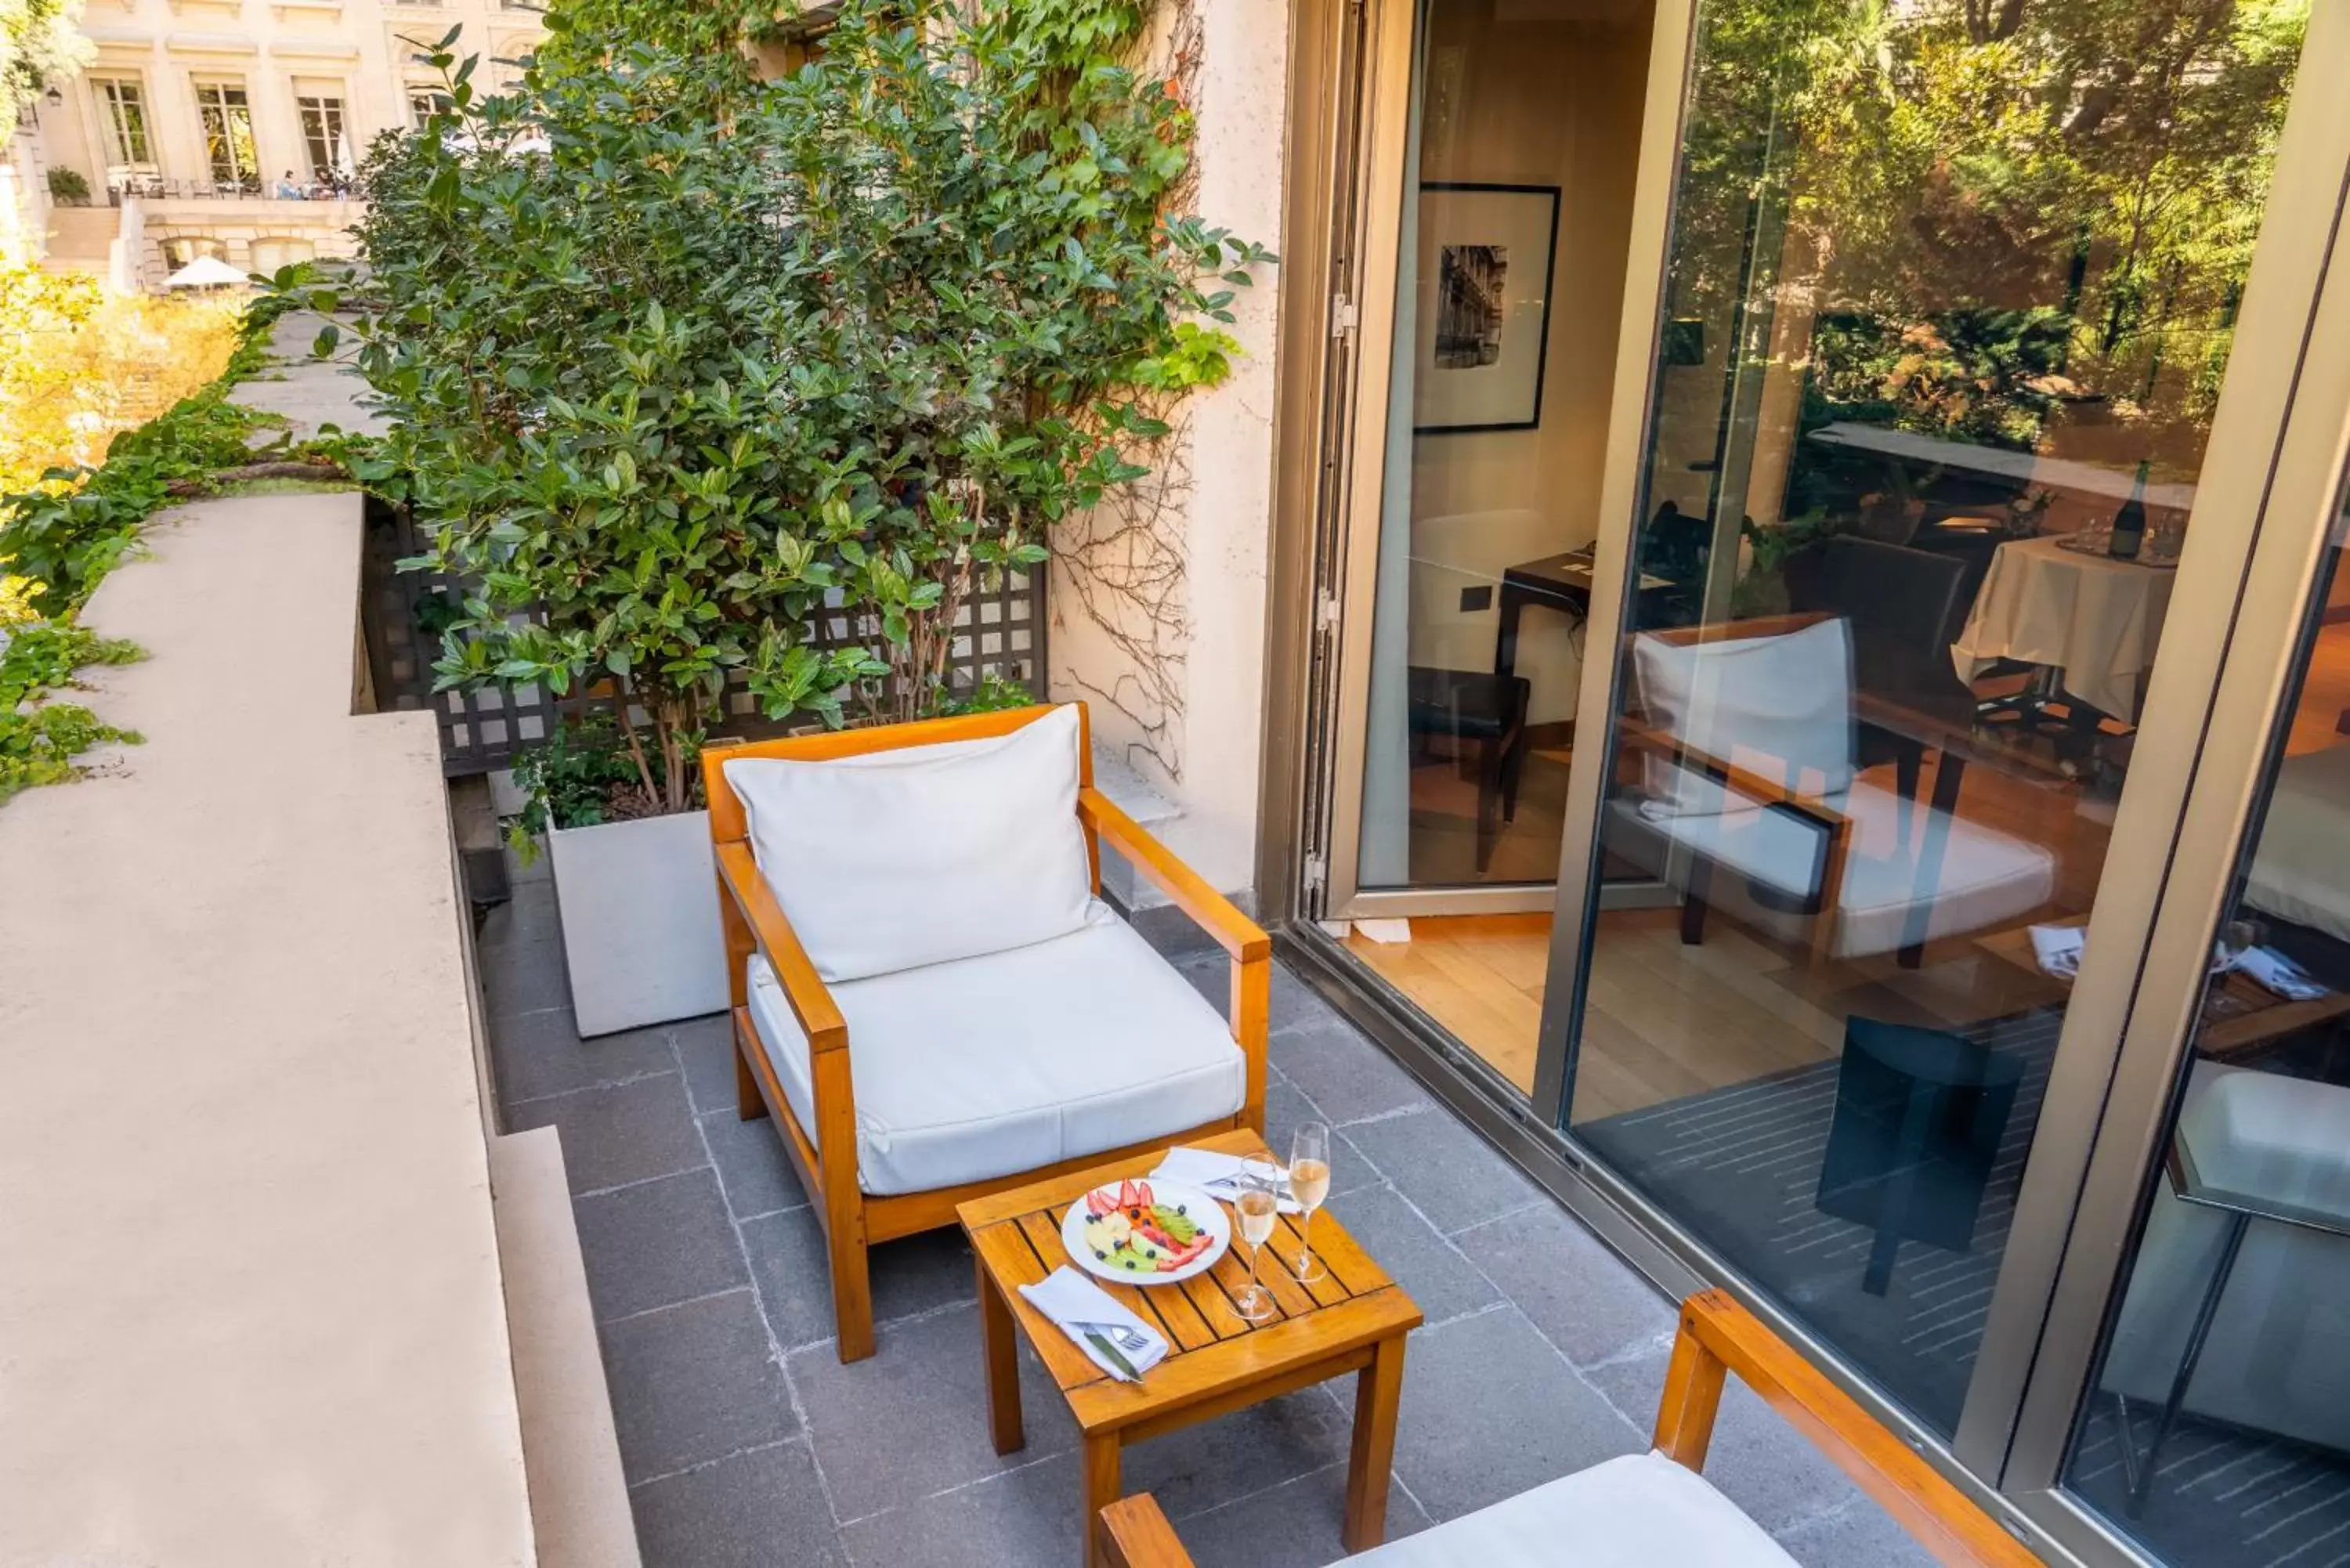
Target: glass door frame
{"x": 2253, "y": 644}
{"x": 1365, "y": 322}
{"x": 2261, "y": 520}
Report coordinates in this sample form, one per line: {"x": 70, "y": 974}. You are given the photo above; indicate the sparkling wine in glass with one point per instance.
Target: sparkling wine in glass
{"x": 1257, "y": 1204}
{"x": 1309, "y": 1183}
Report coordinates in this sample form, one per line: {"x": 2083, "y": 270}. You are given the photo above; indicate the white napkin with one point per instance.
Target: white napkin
{"x": 2057, "y": 950}
{"x": 1068, "y": 1298}
{"x": 2276, "y": 973}
{"x": 1218, "y": 1175}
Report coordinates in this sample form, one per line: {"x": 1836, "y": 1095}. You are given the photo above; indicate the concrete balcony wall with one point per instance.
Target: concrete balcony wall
{"x": 258, "y": 1308}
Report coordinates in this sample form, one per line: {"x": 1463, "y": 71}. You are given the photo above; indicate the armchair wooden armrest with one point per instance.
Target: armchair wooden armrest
{"x": 1217, "y": 915}
{"x": 1243, "y": 939}
{"x": 1719, "y": 1338}
{"x": 811, "y": 1001}
{"x": 1137, "y": 1535}
{"x": 1743, "y": 782}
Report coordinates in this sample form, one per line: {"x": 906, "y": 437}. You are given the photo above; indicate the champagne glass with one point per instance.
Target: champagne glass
{"x": 1257, "y": 1204}
{"x": 1309, "y": 1183}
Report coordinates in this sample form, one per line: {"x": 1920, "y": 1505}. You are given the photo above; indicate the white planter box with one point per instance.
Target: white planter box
{"x": 638, "y": 902}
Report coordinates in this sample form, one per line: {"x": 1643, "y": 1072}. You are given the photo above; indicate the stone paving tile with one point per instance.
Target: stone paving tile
{"x": 1490, "y": 1410}
{"x": 541, "y": 1054}
{"x": 1194, "y": 1469}
{"x": 619, "y": 1134}
{"x": 1348, "y": 1080}
{"x": 1577, "y": 1293}
{"x": 1429, "y": 1267}
{"x": 1025, "y": 1518}
{"x": 761, "y": 1509}
{"x": 1858, "y": 1535}
{"x": 528, "y": 978}
{"x": 657, "y": 1243}
{"x": 1450, "y": 1175}
{"x": 1293, "y": 1525}
{"x": 911, "y": 1420}
{"x": 693, "y": 1382}
{"x": 758, "y": 1179}
{"x": 914, "y": 1275}
{"x": 893, "y": 1466}
{"x": 528, "y": 917}
{"x": 706, "y": 1049}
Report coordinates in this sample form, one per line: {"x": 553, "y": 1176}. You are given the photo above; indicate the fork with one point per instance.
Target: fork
{"x": 1125, "y": 1338}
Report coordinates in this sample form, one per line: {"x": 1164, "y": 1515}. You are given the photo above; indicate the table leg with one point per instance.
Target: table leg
{"x": 1378, "y": 1391}
{"x": 1949, "y": 771}
{"x": 1510, "y": 611}
{"x": 1001, "y": 1345}
{"x": 1102, "y": 1488}
{"x": 2196, "y": 1338}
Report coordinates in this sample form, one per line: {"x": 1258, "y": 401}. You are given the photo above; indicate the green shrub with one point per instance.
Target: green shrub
{"x": 68, "y": 185}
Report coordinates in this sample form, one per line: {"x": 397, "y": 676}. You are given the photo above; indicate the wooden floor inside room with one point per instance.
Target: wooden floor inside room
{"x": 1665, "y": 1019}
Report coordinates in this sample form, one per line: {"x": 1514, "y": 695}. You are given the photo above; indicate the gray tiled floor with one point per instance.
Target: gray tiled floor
{"x": 747, "y": 1443}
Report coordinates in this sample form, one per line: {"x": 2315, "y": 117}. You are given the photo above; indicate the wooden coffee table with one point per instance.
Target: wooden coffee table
{"x": 2240, "y": 1017}
{"x": 1354, "y": 1320}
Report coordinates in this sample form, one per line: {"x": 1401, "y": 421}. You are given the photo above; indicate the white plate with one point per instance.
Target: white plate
{"x": 1197, "y": 1206}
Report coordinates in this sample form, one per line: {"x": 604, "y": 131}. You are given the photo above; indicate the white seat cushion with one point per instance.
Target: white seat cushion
{"x": 887, "y": 861}
{"x": 1986, "y": 877}
{"x": 990, "y": 1066}
{"x": 1642, "y": 1510}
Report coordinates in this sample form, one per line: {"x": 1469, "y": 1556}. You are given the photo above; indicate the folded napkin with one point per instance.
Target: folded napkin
{"x": 1219, "y": 1175}
{"x": 2057, "y": 950}
{"x": 2276, "y": 973}
{"x": 1068, "y": 1298}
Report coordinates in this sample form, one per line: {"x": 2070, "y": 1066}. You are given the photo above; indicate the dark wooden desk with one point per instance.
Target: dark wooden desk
{"x": 1561, "y": 582}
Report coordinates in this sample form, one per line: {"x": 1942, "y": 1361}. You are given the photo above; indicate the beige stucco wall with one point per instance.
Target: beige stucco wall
{"x": 250, "y": 1299}
{"x": 1175, "y": 673}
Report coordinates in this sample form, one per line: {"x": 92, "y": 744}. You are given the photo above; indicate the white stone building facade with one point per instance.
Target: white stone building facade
{"x": 232, "y": 128}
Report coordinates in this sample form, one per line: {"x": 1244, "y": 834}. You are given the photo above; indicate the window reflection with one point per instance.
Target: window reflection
{"x": 1950, "y": 292}
{"x": 2220, "y": 1428}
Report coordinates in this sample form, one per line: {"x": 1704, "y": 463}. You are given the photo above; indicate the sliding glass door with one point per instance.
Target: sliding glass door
{"x": 1952, "y": 298}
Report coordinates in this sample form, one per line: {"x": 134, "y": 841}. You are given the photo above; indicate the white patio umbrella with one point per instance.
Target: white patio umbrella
{"x": 205, "y": 271}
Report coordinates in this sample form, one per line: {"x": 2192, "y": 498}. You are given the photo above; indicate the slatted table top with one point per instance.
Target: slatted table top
{"x": 1213, "y": 1353}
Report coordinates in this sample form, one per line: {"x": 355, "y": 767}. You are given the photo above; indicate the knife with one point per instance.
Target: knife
{"x": 1125, "y": 1372}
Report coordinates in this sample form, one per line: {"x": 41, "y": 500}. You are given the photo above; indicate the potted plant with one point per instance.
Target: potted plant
{"x": 676, "y": 358}
{"x": 574, "y": 324}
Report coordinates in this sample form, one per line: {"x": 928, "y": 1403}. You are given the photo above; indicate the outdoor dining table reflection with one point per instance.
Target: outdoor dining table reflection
{"x": 2093, "y": 620}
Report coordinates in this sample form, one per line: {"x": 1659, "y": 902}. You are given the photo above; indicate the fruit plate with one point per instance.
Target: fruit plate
{"x": 1145, "y": 1232}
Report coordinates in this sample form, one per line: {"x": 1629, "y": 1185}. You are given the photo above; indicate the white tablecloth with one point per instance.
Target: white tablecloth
{"x": 2097, "y": 621}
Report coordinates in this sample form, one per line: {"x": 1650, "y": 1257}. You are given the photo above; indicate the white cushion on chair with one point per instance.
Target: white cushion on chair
{"x": 887, "y": 861}
{"x": 1779, "y": 705}
{"x": 1985, "y": 878}
{"x": 1642, "y": 1510}
{"x": 989, "y": 1067}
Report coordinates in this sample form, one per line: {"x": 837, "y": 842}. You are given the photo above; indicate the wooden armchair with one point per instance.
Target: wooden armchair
{"x": 1657, "y": 1508}
{"x": 854, "y": 1122}
{"x": 1749, "y": 747}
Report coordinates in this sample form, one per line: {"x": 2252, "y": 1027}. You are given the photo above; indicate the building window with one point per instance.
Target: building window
{"x": 127, "y": 143}
{"x": 182, "y": 249}
{"x": 323, "y": 133}
{"x": 423, "y": 103}
{"x": 227, "y": 118}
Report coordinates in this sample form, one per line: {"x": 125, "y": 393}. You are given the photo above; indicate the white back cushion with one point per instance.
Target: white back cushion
{"x": 889, "y": 860}
{"x": 1778, "y": 706}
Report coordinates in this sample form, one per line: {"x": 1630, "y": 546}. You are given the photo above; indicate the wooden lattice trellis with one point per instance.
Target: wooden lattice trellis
{"x": 1000, "y": 629}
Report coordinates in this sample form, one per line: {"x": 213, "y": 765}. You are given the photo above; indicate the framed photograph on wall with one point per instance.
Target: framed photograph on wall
{"x": 1484, "y": 326}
